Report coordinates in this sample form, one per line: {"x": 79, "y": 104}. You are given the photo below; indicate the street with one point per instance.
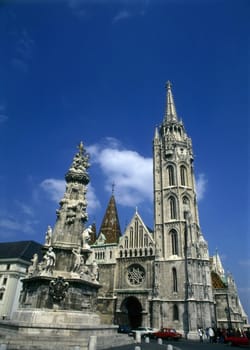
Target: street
{"x": 177, "y": 345}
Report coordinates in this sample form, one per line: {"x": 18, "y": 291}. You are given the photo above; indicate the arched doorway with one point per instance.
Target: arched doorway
{"x": 131, "y": 312}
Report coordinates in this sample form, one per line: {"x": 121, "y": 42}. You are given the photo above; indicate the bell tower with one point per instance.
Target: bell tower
{"x": 182, "y": 275}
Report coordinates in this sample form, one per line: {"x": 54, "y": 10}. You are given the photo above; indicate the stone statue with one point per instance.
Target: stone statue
{"x": 86, "y": 237}
{"x": 50, "y": 260}
{"x": 48, "y": 236}
{"x": 78, "y": 259}
{"x": 95, "y": 274}
{"x": 34, "y": 267}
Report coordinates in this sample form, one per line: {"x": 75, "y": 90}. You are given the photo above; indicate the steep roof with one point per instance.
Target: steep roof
{"x": 110, "y": 226}
{"x": 19, "y": 250}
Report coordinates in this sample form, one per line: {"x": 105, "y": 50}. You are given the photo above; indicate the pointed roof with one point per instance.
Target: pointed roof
{"x": 110, "y": 226}
{"x": 142, "y": 237}
{"x": 170, "y": 112}
{"x": 20, "y": 250}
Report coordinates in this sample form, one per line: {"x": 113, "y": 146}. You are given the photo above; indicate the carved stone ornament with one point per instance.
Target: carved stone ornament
{"x": 58, "y": 288}
{"x": 136, "y": 274}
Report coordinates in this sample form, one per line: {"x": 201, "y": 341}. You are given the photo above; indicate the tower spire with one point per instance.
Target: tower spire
{"x": 170, "y": 113}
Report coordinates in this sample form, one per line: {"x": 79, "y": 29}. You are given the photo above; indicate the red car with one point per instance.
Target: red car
{"x": 167, "y": 333}
{"x": 237, "y": 341}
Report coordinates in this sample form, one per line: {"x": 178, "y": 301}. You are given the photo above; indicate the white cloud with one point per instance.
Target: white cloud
{"x": 201, "y": 185}
{"x": 26, "y": 209}
{"x": 131, "y": 172}
{"x": 25, "y": 226}
{"x": 55, "y": 188}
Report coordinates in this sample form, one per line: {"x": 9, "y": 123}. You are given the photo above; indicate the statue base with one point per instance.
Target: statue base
{"x": 57, "y": 330}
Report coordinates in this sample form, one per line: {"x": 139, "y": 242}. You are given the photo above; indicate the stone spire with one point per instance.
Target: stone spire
{"x": 110, "y": 226}
{"x": 72, "y": 215}
{"x": 170, "y": 112}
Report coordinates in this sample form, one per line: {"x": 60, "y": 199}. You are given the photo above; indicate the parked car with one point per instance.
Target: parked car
{"x": 144, "y": 331}
{"x": 167, "y": 333}
{"x": 237, "y": 340}
{"x": 124, "y": 329}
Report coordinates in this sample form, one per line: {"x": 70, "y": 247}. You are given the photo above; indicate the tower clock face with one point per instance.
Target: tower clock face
{"x": 135, "y": 274}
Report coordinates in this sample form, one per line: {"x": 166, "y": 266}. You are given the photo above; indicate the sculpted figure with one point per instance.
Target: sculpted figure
{"x": 95, "y": 274}
{"x": 86, "y": 237}
{"x": 48, "y": 236}
{"x": 50, "y": 259}
{"x": 34, "y": 267}
{"x": 78, "y": 258}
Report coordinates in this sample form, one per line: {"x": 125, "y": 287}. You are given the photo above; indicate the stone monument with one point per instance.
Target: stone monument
{"x": 59, "y": 296}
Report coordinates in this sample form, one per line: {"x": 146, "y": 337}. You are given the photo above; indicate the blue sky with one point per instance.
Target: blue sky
{"x": 95, "y": 71}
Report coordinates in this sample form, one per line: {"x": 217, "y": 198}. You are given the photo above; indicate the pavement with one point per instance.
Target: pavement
{"x": 180, "y": 345}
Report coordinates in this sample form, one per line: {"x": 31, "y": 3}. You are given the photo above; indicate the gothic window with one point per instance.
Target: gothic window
{"x": 174, "y": 242}
{"x": 126, "y": 242}
{"x": 174, "y": 273}
{"x": 172, "y": 204}
{"x": 171, "y": 179}
{"x": 183, "y": 175}
{"x": 175, "y": 313}
{"x": 136, "y": 234}
{"x": 131, "y": 236}
{"x": 140, "y": 236}
{"x": 120, "y": 253}
{"x": 136, "y": 274}
{"x": 151, "y": 251}
{"x": 145, "y": 240}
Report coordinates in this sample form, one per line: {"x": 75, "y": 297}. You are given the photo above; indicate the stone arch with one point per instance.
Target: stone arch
{"x": 131, "y": 312}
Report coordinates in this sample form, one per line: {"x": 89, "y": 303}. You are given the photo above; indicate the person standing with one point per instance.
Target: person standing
{"x": 211, "y": 334}
{"x": 200, "y": 333}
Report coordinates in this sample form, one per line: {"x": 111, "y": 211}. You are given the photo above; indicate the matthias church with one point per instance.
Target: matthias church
{"x": 165, "y": 276}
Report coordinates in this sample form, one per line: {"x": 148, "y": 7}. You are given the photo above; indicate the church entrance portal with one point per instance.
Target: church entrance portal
{"x": 131, "y": 312}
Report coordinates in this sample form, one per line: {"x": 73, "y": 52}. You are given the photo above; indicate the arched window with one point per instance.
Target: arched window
{"x": 183, "y": 175}
{"x": 186, "y": 205}
{"x": 126, "y": 242}
{"x": 172, "y": 205}
{"x": 171, "y": 179}
{"x": 175, "y": 313}
{"x": 131, "y": 237}
{"x": 174, "y": 274}
{"x": 174, "y": 241}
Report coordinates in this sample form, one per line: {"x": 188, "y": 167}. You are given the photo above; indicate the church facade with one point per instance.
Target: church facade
{"x": 165, "y": 276}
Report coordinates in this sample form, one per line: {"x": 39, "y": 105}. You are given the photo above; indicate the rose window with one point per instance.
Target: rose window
{"x": 136, "y": 274}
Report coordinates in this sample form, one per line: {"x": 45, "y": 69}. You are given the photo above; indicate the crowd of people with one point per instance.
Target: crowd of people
{"x": 219, "y": 335}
